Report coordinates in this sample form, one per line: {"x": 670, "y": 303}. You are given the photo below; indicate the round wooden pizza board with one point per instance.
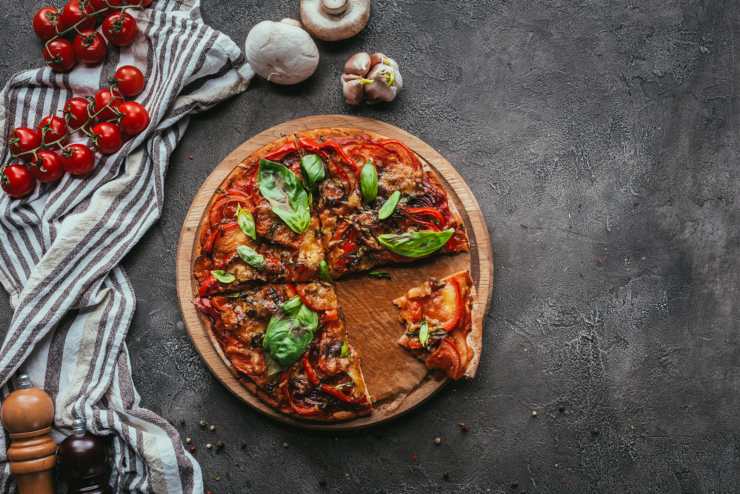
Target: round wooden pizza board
{"x": 397, "y": 381}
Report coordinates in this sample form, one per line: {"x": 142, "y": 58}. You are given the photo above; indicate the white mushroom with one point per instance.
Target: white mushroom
{"x": 281, "y": 52}
{"x": 334, "y": 20}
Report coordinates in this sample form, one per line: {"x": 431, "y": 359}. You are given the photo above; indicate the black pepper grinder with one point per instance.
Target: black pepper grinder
{"x": 84, "y": 461}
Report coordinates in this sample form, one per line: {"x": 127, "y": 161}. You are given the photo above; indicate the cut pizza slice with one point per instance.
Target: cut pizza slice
{"x": 261, "y": 226}
{"x": 437, "y": 319}
{"x": 288, "y": 345}
{"x": 388, "y": 209}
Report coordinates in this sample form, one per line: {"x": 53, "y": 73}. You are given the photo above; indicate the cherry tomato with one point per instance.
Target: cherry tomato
{"x": 45, "y": 22}
{"x": 47, "y": 167}
{"x": 77, "y": 112}
{"x": 17, "y": 180}
{"x": 90, "y": 47}
{"x": 97, "y": 5}
{"x": 107, "y": 137}
{"x": 134, "y": 117}
{"x": 23, "y": 139}
{"x": 73, "y": 12}
{"x": 59, "y": 55}
{"x": 130, "y": 81}
{"x": 106, "y": 103}
{"x": 78, "y": 160}
{"x": 120, "y": 29}
{"x": 56, "y": 130}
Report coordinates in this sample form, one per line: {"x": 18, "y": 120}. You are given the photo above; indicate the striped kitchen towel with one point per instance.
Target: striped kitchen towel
{"x": 60, "y": 248}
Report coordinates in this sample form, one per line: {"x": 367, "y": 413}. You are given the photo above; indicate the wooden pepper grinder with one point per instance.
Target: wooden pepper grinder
{"x": 27, "y": 414}
{"x": 84, "y": 461}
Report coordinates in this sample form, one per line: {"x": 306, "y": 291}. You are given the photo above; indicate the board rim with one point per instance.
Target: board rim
{"x": 198, "y": 329}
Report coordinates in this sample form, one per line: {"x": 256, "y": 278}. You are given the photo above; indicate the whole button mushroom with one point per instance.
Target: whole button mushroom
{"x": 281, "y": 52}
{"x": 373, "y": 77}
{"x": 334, "y": 20}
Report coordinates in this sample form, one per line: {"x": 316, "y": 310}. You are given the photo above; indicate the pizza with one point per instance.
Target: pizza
{"x": 291, "y": 219}
{"x": 288, "y": 344}
{"x": 437, "y": 322}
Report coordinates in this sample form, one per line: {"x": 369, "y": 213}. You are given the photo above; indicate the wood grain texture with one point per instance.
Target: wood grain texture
{"x": 396, "y": 380}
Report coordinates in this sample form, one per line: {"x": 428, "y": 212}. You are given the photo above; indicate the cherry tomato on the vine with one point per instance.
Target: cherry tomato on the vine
{"x": 23, "y": 140}
{"x": 106, "y": 104}
{"x": 96, "y": 5}
{"x": 130, "y": 81}
{"x": 45, "y": 22}
{"x": 90, "y": 47}
{"x": 120, "y": 29}
{"x": 53, "y": 128}
{"x": 60, "y": 55}
{"x": 134, "y": 118}
{"x": 16, "y": 180}
{"x": 107, "y": 137}
{"x": 77, "y": 112}
{"x": 78, "y": 159}
{"x": 75, "y": 11}
{"x": 47, "y": 167}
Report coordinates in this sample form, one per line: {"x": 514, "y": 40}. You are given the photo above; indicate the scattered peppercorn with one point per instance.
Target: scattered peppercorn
{"x": 220, "y": 445}
{"x": 182, "y": 423}
{"x": 193, "y": 449}
{"x": 594, "y": 433}
{"x": 534, "y": 413}
{"x": 437, "y": 440}
{"x": 202, "y": 424}
{"x": 446, "y": 476}
{"x": 188, "y": 440}
{"x": 218, "y": 477}
{"x": 561, "y": 409}
{"x": 243, "y": 446}
{"x": 209, "y": 446}
{"x": 463, "y": 427}
{"x": 285, "y": 445}
{"x": 322, "y": 483}
{"x": 212, "y": 428}
{"x": 514, "y": 485}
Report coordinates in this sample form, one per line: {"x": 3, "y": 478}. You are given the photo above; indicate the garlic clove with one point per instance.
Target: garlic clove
{"x": 378, "y": 57}
{"x": 353, "y": 88}
{"x": 359, "y": 64}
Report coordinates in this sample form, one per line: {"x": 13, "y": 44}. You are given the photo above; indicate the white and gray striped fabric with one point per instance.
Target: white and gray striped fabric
{"x": 61, "y": 247}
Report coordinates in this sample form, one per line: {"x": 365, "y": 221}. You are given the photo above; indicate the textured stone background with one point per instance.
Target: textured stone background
{"x": 601, "y": 139}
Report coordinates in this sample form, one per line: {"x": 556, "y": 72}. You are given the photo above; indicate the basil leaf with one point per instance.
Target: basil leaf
{"x": 286, "y": 195}
{"x": 324, "y": 271}
{"x": 223, "y": 277}
{"x": 313, "y": 169}
{"x": 386, "y": 210}
{"x": 345, "y": 350}
{"x": 291, "y": 306}
{"x": 246, "y": 222}
{"x": 415, "y": 244}
{"x": 369, "y": 182}
{"x": 424, "y": 333}
{"x": 381, "y": 275}
{"x": 289, "y": 335}
{"x": 251, "y": 257}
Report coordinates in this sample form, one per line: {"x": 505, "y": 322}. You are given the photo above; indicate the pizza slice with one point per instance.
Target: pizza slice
{"x": 403, "y": 213}
{"x": 438, "y": 326}
{"x": 288, "y": 344}
{"x": 261, "y": 226}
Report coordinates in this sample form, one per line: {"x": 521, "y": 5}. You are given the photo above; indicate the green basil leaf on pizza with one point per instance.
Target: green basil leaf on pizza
{"x": 415, "y": 244}
{"x": 287, "y": 197}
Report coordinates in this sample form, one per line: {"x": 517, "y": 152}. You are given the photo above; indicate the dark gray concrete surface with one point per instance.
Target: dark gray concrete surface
{"x": 601, "y": 140}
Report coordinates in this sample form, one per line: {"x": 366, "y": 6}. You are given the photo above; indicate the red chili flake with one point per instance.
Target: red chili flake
{"x": 463, "y": 427}
{"x": 413, "y": 457}
{"x": 193, "y": 449}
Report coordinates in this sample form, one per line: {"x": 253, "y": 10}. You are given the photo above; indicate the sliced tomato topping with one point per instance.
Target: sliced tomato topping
{"x": 209, "y": 285}
{"x": 445, "y": 358}
{"x": 433, "y": 212}
{"x": 315, "y": 146}
{"x": 401, "y": 149}
{"x": 453, "y": 322}
{"x": 225, "y": 207}
{"x": 329, "y": 316}
{"x": 220, "y": 303}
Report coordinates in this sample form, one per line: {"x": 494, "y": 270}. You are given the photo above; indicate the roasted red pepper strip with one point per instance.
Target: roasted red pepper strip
{"x": 316, "y": 146}
{"x": 332, "y": 391}
{"x": 310, "y": 373}
{"x": 208, "y": 285}
{"x": 459, "y": 307}
{"x": 391, "y": 143}
{"x": 282, "y": 152}
{"x": 426, "y": 212}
